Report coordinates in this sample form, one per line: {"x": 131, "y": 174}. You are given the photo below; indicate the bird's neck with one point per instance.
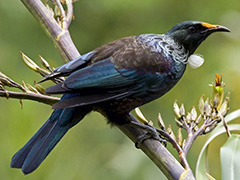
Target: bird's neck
{"x": 174, "y": 49}
{"x": 167, "y": 45}
{"x": 172, "y": 55}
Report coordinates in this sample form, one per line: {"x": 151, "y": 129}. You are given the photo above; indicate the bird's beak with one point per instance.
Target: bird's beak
{"x": 214, "y": 28}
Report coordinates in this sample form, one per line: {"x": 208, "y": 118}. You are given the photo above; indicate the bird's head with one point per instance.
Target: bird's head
{"x": 191, "y": 33}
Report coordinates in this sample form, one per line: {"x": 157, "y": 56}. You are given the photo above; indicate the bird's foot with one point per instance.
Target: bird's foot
{"x": 152, "y": 133}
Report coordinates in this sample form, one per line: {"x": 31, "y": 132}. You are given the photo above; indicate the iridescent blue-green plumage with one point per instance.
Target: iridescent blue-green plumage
{"x": 113, "y": 80}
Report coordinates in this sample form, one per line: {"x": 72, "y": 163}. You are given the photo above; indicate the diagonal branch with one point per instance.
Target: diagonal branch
{"x": 60, "y": 37}
{"x": 163, "y": 159}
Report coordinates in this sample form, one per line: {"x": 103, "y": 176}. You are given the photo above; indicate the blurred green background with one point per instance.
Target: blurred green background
{"x": 92, "y": 150}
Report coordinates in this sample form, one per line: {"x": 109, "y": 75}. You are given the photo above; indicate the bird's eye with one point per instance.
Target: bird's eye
{"x": 192, "y": 29}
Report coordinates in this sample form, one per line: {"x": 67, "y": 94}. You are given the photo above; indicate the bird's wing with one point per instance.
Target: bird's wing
{"x": 99, "y": 76}
{"x": 129, "y": 68}
{"x": 68, "y": 68}
{"x": 96, "y": 83}
{"x": 94, "y": 56}
{"x": 79, "y": 62}
{"x": 103, "y": 82}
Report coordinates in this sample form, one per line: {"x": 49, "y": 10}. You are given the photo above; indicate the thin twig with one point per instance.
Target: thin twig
{"x": 69, "y": 15}
{"x": 181, "y": 153}
{"x": 226, "y": 126}
{"x": 49, "y": 100}
{"x": 63, "y": 20}
{"x": 66, "y": 16}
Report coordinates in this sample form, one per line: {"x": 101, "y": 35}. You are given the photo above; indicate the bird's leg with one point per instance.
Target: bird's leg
{"x": 152, "y": 132}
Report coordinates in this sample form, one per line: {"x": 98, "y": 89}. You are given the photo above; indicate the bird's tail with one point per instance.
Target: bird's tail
{"x": 32, "y": 154}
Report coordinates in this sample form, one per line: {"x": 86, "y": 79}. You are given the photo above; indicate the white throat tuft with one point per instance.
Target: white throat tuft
{"x": 195, "y": 61}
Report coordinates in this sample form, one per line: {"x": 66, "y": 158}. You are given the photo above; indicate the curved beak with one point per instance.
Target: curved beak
{"x": 214, "y": 28}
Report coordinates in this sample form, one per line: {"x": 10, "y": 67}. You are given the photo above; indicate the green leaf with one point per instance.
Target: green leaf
{"x": 230, "y": 156}
{"x": 210, "y": 177}
{"x": 201, "y": 166}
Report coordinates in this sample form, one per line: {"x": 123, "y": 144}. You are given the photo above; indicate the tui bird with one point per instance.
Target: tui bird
{"x": 113, "y": 80}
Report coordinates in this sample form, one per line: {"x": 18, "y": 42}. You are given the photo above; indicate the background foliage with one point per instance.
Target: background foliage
{"x": 92, "y": 150}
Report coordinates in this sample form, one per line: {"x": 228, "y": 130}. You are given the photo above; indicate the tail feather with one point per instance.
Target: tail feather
{"x": 19, "y": 158}
{"x": 41, "y": 149}
{"x": 32, "y": 154}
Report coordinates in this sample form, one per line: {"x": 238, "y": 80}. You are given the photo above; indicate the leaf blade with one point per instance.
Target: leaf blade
{"x": 230, "y": 155}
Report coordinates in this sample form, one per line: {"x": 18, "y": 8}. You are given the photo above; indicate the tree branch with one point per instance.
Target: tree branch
{"x": 60, "y": 37}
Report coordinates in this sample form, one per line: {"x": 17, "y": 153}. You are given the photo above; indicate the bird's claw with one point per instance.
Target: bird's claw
{"x": 149, "y": 135}
{"x": 152, "y": 133}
